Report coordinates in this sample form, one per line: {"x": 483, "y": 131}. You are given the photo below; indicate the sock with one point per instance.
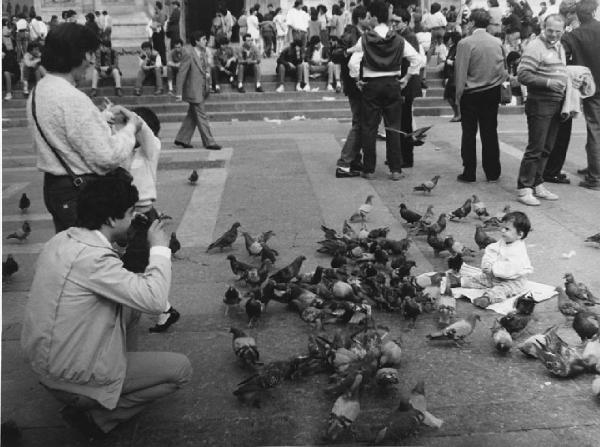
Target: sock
{"x": 170, "y": 84}
{"x": 257, "y": 84}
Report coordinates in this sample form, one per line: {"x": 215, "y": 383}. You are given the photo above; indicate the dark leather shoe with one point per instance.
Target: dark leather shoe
{"x": 213, "y": 147}
{"x": 183, "y": 145}
{"x": 342, "y": 173}
{"x": 583, "y": 171}
{"x": 590, "y": 185}
{"x": 464, "y": 179}
{"x": 172, "y": 319}
{"x": 558, "y": 179}
{"x": 82, "y": 421}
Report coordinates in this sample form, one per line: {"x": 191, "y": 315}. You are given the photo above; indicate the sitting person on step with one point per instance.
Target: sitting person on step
{"x": 174, "y": 62}
{"x": 225, "y": 64}
{"x": 318, "y": 62}
{"x": 291, "y": 62}
{"x": 150, "y": 67}
{"x": 107, "y": 65}
{"x": 248, "y": 59}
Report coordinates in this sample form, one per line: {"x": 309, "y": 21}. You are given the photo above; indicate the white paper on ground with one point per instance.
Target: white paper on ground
{"x": 540, "y": 292}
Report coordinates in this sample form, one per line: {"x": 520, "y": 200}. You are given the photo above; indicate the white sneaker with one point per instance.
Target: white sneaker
{"x": 8, "y": 96}
{"x": 281, "y": 88}
{"x": 298, "y": 88}
{"x": 525, "y": 195}
{"x": 330, "y": 88}
{"x": 306, "y": 88}
{"x": 542, "y": 193}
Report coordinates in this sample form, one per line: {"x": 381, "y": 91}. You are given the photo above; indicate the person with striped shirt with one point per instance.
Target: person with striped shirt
{"x": 543, "y": 70}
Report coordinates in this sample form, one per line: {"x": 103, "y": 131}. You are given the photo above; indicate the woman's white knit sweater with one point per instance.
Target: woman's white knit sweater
{"x": 77, "y": 130}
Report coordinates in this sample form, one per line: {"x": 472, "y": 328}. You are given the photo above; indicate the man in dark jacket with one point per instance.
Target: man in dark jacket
{"x": 401, "y": 21}
{"x": 582, "y": 45}
{"x": 290, "y": 60}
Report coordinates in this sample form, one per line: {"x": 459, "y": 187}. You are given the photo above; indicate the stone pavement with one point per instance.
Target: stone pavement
{"x": 280, "y": 177}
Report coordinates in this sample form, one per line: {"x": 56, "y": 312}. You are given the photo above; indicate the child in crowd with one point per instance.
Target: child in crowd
{"x": 143, "y": 170}
{"x": 505, "y": 264}
{"x": 33, "y": 70}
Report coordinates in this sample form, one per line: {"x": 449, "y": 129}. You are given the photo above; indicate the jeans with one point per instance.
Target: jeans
{"x": 543, "y": 119}
{"x": 350, "y": 154}
{"x": 556, "y": 160}
{"x": 381, "y": 96}
{"x": 591, "y": 110}
{"x": 480, "y": 108}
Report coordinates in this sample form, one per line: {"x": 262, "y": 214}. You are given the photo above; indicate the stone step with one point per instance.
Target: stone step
{"x": 332, "y": 113}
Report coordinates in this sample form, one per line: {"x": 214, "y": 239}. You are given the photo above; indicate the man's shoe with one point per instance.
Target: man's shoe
{"x": 381, "y": 135}
{"x": 357, "y": 166}
{"x": 183, "y": 145}
{"x": 583, "y": 171}
{"x": 525, "y": 196}
{"x": 418, "y": 142}
{"x": 82, "y": 422}
{"x": 561, "y": 178}
{"x": 338, "y": 88}
{"x": 455, "y": 119}
{"x": 330, "y": 88}
{"x": 94, "y": 93}
{"x": 368, "y": 175}
{"x": 590, "y": 185}
{"x": 118, "y": 91}
{"x": 241, "y": 89}
{"x": 259, "y": 89}
{"x": 213, "y": 147}
{"x": 170, "y": 317}
{"x": 464, "y": 179}
{"x": 281, "y": 88}
{"x": 345, "y": 173}
{"x": 158, "y": 91}
{"x": 137, "y": 92}
{"x": 395, "y": 176}
{"x": 541, "y": 192}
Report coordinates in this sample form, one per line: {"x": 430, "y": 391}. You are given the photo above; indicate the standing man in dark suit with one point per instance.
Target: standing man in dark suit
{"x": 173, "y": 24}
{"x": 193, "y": 84}
{"x": 401, "y": 21}
{"x": 479, "y": 72}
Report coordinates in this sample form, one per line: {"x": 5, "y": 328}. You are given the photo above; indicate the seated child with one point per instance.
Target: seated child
{"x": 33, "y": 70}
{"x": 505, "y": 264}
{"x": 143, "y": 170}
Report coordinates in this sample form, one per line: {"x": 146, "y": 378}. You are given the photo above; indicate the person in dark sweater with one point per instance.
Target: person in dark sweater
{"x": 381, "y": 83}
{"x": 291, "y": 60}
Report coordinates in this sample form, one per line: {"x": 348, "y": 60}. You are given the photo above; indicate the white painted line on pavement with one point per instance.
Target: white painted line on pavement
{"x": 13, "y": 188}
{"x": 200, "y": 217}
{"x": 26, "y": 216}
{"x": 23, "y": 249}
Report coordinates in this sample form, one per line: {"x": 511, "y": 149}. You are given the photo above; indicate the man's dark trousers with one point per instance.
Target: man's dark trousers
{"x": 480, "y": 108}
{"x": 543, "y": 118}
{"x": 406, "y": 144}
{"x": 350, "y": 155}
{"x": 557, "y": 157}
{"x": 381, "y": 96}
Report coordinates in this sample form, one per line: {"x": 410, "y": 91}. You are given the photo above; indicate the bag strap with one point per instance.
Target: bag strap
{"x": 77, "y": 180}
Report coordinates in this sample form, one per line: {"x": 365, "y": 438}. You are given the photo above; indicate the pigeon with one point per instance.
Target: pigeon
{"x": 558, "y": 357}
{"x": 479, "y": 207}
{"x": 578, "y": 291}
{"x": 455, "y": 262}
{"x": 254, "y": 307}
{"x": 238, "y": 268}
{"x": 566, "y": 305}
{"x": 348, "y": 231}
{"x": 226, "y": 239}
{"x": 404, "y": 422}
{"x": 174, "y": 243}
{"x": 514, "y": 322}
{"x": 428, "y": 185}
{"x": 411, "y": 309}
{"x": 253, "y": 247}
{"x": 289, "y": 272}
{"x": 417, "y": 136}
{"x": 268, "y": 376}
{"x": 265, "y": 236}
{"x": 268, "y": 253}
{"x": 530, "y": 346}
{"x": 462, "y": 212}
{"x": 408, "y": 215}
{"x": 22, "y": 233}
{"x": 379, "y": 232}
{"x": 345, "y": 410}
{"x": 482, "y": 239}
{"x": 330, "y": 233}
{"x": 525, "y": 304}
{"x": 193, "y": 178}
{"x": 591, "y": 353}
{"x": 244, "y": 347}
{"x": 391, "y": 354}
{"x": 438, "y": 226}
{"x": 9, "y": 267}
{"x": 495, "y": 222}
{"x": 586, "y": 324}
{"x": 231, "y": 298}
{"x": 436, "y": 243}
{"x": 403, "y": 269}
{"x": 594, "y": 238}
{"x": 502, "y": 339}
{"x": 458, "y": 330}
{"x": 363, "y": 210}
{"x": 387, "y": 376}
{"x": 418, "y": 402}
{"x": 24, "y": 203}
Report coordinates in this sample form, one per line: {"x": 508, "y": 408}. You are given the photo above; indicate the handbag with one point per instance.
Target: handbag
{"x": 77, "y": 180}
{"x": 505, "y": 88}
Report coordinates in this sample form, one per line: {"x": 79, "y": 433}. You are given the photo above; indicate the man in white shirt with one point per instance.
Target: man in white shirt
{"x": 297, "y": 21}
{"x": 384, "y": 50}
{"x": 38, "y": 29}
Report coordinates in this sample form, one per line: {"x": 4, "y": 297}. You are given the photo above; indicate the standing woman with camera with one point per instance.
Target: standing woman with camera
{"x": 73, "y": 140}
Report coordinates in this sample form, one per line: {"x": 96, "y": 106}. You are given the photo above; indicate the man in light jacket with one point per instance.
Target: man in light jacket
{"x": 78, "y": 330}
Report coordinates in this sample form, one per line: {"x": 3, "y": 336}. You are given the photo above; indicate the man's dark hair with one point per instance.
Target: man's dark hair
{"x": 245, "y": 36}
{"x": 379, "y": 9}
{"x": 149, "y": 118}
{"x": 158, "y": 5}
{"x": 176, "y": 41}
{"x": 296, "y": 43}
{"x": 32, "y": 46}
{"x": 435, "y": 7}
{"x": 493, "y": 3}
{"x": 196, "y": 36}
{"x": 403, "y": 14}
{"x": 358, "y": 13}
{"x": 297, "y": 3}
{"x": 176, "y": 3}
{"x": 146, "y": 44}
{"x": 66, "y": 46}
{"x": 314, "y": 41}
{"x": 585, "y": 10}
{"x": 107, "y": 197}
{"x": 105, "y": 12}
{"x": 455, "y": 36}
{"x": 520, "y": 221}
{"x": 480, "y": 18}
